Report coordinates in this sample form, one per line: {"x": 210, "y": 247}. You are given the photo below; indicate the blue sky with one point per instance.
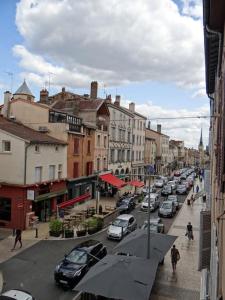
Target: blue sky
{"x": 149, "y": 75}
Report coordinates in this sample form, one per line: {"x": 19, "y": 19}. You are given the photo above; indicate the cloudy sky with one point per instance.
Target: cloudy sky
{"x": 148, "y": 51}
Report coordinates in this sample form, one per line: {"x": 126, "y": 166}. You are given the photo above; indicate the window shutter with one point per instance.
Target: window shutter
{"x": 75, "y": 170}
{"x": 76, "y": 146}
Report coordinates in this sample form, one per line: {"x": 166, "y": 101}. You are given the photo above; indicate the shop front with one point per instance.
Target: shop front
{"x": 82, "y": 185}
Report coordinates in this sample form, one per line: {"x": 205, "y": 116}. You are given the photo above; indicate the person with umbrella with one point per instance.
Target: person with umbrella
{"x": 175, "y": 256}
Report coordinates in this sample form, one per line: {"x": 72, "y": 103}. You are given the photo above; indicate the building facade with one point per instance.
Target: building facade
{"x": 150, "y": 150}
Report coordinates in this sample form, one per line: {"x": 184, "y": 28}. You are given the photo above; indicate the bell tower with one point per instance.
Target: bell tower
{"x": 201, "y": 152}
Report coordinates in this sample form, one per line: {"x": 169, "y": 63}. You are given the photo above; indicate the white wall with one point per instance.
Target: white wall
{"x": 12, "y": 163}
{"x": 46, "y": 156}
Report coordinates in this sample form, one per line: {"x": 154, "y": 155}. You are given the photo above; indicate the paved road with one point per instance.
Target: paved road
{"x": 33, "y": 269}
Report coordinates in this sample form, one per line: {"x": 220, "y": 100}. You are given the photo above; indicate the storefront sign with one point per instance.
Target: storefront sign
{"x": 30, "y": 194}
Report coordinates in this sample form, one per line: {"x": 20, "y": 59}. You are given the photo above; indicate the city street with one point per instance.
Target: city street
{"x": 33, "y": 269}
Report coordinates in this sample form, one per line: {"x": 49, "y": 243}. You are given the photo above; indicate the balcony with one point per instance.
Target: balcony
{"x": 74, "y": 123}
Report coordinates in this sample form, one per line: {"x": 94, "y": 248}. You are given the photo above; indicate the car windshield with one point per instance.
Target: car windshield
{"x": 125, "y": 201}
{"x": 120, "y": 223}
{"x": 181, "y": 186}
{"x": 166, "y": 205}
{"x": 153, "y": 227}
{"x": 172, "y": 198}
{"x": 77, "y": 257}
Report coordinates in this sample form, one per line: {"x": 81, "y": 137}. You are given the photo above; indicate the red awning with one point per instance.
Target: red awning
{"x": 74, "y": 200}
{"x": 113, "y": 180}
{"x": 136, "y": 183}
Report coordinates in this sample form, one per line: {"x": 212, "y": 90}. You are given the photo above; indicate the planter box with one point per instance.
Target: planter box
{"x": 55, "y": 233}
{"x": 69, "y": 234}
{"x": 81, "y": 232}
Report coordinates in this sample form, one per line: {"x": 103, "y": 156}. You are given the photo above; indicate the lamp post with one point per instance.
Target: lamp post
{"x": 148, "y": 227}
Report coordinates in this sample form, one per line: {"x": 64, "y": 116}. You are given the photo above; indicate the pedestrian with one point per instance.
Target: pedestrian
{"x": 175, "y": 256}
{"x": 18, "y": 238}
{"x": 204, "y": 198}
{"x": 197, "y": 189}
{"x": 193, "y": 188}
{"x": 192, "y": 200}
{"x": 189, "y": 232}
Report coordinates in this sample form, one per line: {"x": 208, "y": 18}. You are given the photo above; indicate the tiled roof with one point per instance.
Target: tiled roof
{"x": 90, "y": 104}
{"x": 27, "y": 133}
{"x": 24, "y": 89}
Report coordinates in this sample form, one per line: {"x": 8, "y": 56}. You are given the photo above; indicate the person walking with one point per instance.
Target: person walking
{"x": 197, "y": 189}
{"x": 189, "y": 232}
{"x": 175, "y": 256}
{"x": 18, "y": 238}
{"x": 192, "y": 200}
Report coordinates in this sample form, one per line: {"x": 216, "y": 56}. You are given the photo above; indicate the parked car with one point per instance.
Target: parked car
{"x": 126, "y": 205}
{"x": 177, "y": 173}
{"x": 167, "y": 209}
{"x": 159, "y": 183}
{"x": 156, "y": 225}
{"x": 173, "y": 184}
{"x": 166, "y": 190}
{"x": 152, "y": 189}
{"x": 16, "y": 295}
{"x": 76, "y": 264}
{"x": 174, "y": 199}
{"x": 154, "y": 202}
{"x": 121, "y": 226}
{"x": 186, "y": 183}
{"x": 183, "y": 176}
{"x": 181, "y": 189}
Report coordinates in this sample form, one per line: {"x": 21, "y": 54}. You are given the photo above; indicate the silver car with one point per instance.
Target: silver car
{"x": 16, "y": 295}
{"x": 156, "y": 225}
{"x": 159, "y": 183}
{"x": 154, "y": 202}
{"x": 174, "y": 199}
{"x": 167, "y": 209}
{"x": 121, "y": 226}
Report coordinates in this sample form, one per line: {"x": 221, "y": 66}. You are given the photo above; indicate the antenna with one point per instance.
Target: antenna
{"x": 49, "y": 80}
{"x": 11, "y": 81}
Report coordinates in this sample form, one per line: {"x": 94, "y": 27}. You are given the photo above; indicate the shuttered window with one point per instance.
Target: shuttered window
{"x": 75, "y": 170}
{"x": 76, "y": 146}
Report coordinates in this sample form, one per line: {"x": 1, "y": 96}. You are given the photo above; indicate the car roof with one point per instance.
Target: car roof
{"x": 165, "y": 202}
{"x": 125, "y": 217}
{"x": 172, "y": 196}
{"x": 16, "y": 294}
{"x": 87, "y": 245}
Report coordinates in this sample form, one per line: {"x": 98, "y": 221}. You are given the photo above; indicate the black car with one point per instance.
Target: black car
{"x": 126, "y": 205}
{"x": 77, "y": 263}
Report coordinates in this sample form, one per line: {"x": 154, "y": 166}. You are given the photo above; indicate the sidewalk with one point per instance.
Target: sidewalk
{"x": 185, "y": 284}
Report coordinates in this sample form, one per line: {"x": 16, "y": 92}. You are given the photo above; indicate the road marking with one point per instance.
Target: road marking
{"x": 77, "y": 297}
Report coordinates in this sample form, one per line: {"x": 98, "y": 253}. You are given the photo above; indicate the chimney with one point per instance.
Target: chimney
{"x": 44, "y": 96}
{"x": 94, "y": 90}
{"x": 7, "y": 98}
{"x": 63, "y": 89}
{"x": 117, "y": 101}
{"x": 108, "y": 99}
{"x": 159, "y": 127}
{"x": 149, "y": 124}
{"x": 132, "y": 107}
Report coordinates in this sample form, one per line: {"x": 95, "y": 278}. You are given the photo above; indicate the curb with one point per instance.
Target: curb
{"x": 1, "y": 282}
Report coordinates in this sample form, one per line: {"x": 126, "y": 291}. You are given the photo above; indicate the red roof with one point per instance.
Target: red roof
{"x": 136, "y": 183}
{"x": 113, "y": 180}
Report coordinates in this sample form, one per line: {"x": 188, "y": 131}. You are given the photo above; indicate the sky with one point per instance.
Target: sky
{"x": 149, "y": 52}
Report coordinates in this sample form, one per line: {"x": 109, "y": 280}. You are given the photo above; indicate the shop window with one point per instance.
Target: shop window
{"x": 76, "y": 146}
{"x": 38, "y": 174}
{"x": 6, "y": 146}
{"x": 51, "y": 172}
{"x": 5, "y": 209}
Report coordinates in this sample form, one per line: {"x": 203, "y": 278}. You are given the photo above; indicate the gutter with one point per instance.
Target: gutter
{"x": 25, "y": 164}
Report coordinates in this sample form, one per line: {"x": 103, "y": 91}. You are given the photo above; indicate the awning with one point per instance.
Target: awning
{"x": 74, "y": 200}
{"x": 136, "y": 183}
{"x": 113, "y": 180}
{"x": 50, "y": 195}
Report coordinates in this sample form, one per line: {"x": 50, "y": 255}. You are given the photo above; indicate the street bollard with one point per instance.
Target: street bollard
{"x": 36, "y": 232}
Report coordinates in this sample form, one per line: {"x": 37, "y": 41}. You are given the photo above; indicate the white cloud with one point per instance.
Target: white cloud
{"x": 186, "y": 129}
{"x": 192, "y": 8}
{"x": 112, "y": 41}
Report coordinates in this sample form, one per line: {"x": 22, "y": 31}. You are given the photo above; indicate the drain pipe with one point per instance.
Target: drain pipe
{"x": 25, "y": 164}
{"x": 219, "y": 34}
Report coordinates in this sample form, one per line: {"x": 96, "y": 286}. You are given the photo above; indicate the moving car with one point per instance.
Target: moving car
{"x": 154, "y": 202}
{"x": 159, "y": 183}
{"x": 167, "y": 190}
{"x": 181, "y": 189}
{"x": 145, "y": 189}
{"x": 77, "y": 263}
{"x": 156, "y": 225}
{"x": 167, "y": 209}
{"x": 126, "y": 205}
{"x": 174, "y": 199}
{"x": 16, "y": 295}
{"x": 121, "y": 226}
{"x": 173, "y": 184}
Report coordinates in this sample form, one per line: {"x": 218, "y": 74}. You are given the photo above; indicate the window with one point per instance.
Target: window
{"x": 59, "y": 171}
{"x": 112, "y": 155}
{"x": 133, "y": 138}
{"x": 123, "y": 155}
{"x": 105, "y": 142}
{"x": 136, "y": 155}
{"x": 98, "y": 164}
{"x": 113, "y": 133}
{"x": 56, "y": 148}
{"x": 88, "y": 131}
{"x": 37, "y": 148}
{"x": 89, "y": 168}
{"x": 98, "y": 140}
{"x": 89, "y": 147}
{"x": 119, "y": 155}
{"x": 51, "y": 172}
{"x": 128, "y": 137}
{"x": 140, "y": 125}
{"x": 75, "y": 169}
{"x": 128, "y": 155}
{"x": 38, "y": 174}
{"x": 104, "y": 163}
{"x": 137, "y": 139}
{"x": 5, "y": 209}
{"x": 6, "y": 146}
{"x": 114, "y": 115}
{"x": 76, "y": 146}
{"x": 133, "y": 123}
